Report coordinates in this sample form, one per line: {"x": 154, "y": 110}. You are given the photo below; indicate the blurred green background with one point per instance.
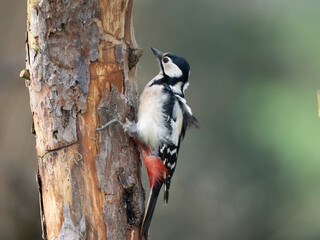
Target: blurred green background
{"x": 252, "y": 171}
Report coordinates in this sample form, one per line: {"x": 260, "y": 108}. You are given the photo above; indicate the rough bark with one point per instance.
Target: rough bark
{"x": 80, "y": 60}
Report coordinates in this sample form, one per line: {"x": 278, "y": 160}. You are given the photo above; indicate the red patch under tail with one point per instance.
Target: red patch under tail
{"x": 155, "y": 167}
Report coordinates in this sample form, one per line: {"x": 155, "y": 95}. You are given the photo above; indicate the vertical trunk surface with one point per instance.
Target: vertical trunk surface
{"x": 81, "y": 60}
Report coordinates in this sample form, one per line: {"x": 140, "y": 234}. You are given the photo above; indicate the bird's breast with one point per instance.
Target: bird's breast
{"x": 151, "y": 119}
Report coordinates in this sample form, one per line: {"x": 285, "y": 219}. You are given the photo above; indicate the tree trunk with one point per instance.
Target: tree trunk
{"x": 81, "y": 60}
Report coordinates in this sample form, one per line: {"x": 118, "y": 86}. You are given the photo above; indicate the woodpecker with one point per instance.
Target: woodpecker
{"x": 162, "y": 120}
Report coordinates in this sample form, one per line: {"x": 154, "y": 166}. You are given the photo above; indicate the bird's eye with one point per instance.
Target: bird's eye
{"x": 165, "y": 60}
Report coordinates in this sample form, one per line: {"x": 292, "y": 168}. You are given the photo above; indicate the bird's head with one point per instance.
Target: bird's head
{"x": 173, "y": 67}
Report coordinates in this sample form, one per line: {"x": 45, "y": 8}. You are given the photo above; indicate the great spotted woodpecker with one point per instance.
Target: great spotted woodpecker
{"x": 162, "y": 121}
{"x": 163, "y": 118}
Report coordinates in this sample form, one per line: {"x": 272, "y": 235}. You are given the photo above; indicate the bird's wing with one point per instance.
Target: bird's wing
{"x": 169, "y": 155}
{"x": 189, "y": 121}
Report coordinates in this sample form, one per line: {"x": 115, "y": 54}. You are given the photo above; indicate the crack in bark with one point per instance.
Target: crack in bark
{"x": 43, "y": 222}
{"x": 128, "y": 183}
{"x": 58, "y": 149}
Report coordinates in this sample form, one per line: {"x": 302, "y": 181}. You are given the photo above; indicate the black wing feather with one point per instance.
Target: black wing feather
{"x": 169, "y": 155}
{"x": 168, "y": 152}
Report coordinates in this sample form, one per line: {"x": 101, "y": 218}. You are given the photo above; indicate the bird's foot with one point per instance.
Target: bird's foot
{"x": 128, "y": 126}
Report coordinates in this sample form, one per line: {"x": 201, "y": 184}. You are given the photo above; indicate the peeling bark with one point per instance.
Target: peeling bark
{"x": 69, "y": 230}
{"x": 81, "y": 58}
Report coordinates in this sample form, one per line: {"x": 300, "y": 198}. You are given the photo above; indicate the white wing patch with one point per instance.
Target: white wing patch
{"x": 184, "y": 101}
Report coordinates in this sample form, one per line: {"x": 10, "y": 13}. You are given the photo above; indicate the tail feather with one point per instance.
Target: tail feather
{"x": 166, "y": 191}
{"x": 166, "y": 197}
{"x": 153, "y": 197}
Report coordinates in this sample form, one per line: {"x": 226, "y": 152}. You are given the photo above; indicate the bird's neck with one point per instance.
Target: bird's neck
{"x": 178, "y": 85}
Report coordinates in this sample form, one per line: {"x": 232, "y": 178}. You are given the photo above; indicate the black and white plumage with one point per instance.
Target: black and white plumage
{"x": 163, "y": 118}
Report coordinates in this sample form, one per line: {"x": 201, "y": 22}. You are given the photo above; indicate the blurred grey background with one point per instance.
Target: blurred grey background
{"x": 252, "y": 171}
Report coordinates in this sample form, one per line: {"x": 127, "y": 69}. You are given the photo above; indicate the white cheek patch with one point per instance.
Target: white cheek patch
{"x": 172, "y": 70}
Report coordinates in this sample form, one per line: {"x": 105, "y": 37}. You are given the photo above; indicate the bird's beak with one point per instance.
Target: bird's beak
{"x": 157, "y": 53}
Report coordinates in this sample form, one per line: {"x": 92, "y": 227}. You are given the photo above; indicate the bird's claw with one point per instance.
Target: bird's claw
{"x": 129, "y": 127}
